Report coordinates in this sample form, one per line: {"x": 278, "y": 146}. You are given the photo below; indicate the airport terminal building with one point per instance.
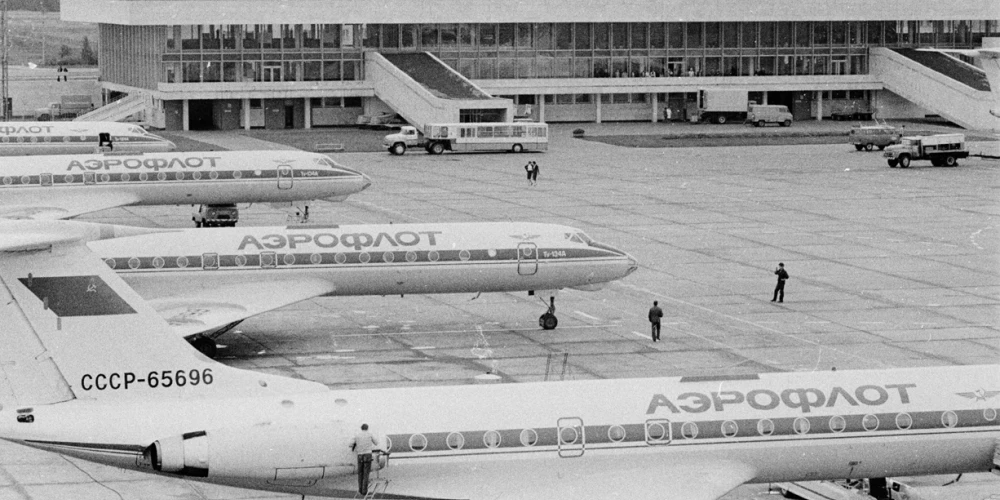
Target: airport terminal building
{"x": 226, "y": 64}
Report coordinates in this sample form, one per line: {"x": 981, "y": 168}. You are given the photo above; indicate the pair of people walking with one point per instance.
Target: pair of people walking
{"x": 532, "y": 169}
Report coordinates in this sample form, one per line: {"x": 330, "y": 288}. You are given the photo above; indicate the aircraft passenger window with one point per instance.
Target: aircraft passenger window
{"x": 655, "y": 431}
{"x": 289, "y": 259}
{"x": 26, "y": 179}
{"x": 179, "y": 176}
{"x": 904, "y": 421}
{"x": 526, "y": 251}
{"x": 241, "y": 260}
{"x": 689, "y": 430}
{"x": 105, "y": 177}
{"x": 213, "y": 175}
{"x": 68, "y": 139}
{"x": 125, "y": 177}
{"x": 158, "y": 262}
{"x": 133, "y": 263}
{"x": 388, "y": 443}
{"x": 464, "y": 255}
{"x": 315, "y": 258}
{"x": 616, "y": 433}
{"x": 529, "y": 437}
{"x": 491, "y": 439}
{"x": 433, "y": 256}
{"x": 144, "y": 177}
{"x": 949, "y": 419}
{"x": 196, "y": 176}
{"x": 267, "y": 259}
{"x": 388, "y": 257}
{"x": 765, "y": 427}
{"x": 990, "y": 414}
{"x": 729, "y": 428}
{"x": 801, "y": 425}
{"x": 568, "y": 435}
{"x": 869, "y": 422}
{"x": 491, "y": 252}
{"x": 455, "y": 441}
{"x": 411, "y": 256}
{"x": 69, "y": 178}
{"x": 182, "y": 261}
{"x": 363, "y": 257}
{"x": 162, "y": 176}
{"x": 418, "y": 442}
{"x": 110, "y": 262}
{"x": 340, "y": 258}
{"x": 8, "y": 181}
{"x": 237, "y": 174}
{"x": 838, "y": 424}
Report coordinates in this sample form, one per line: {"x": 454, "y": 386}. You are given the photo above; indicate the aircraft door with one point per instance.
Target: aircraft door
{"x": 572, "y": 437}
{"x": 46, "y": 179}
{"x": 210, "y": 261}
{"x": 658, "y": 431}
{"x": 284, "y": 177}
{"x": 89, "y": 178}
{"x": 527, "y": 259}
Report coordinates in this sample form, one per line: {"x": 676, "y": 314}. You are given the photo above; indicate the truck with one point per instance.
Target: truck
{"x": 437, "y": 138}
{"x": 940, "y": 149}
{"x": 216, "y": 216}
{"x": 69, "y": 106}
{"x": 721, "y": 106}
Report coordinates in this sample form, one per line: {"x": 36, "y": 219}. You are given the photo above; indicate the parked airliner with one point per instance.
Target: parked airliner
{"x": 92, "y": 371}
{"x": 60, "y": 138}
{"x": 59, "y": 187}
{"x": 206, "y": 281}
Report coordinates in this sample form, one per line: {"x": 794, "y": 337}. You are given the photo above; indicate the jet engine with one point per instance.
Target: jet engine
{"x": 281, "y": 454}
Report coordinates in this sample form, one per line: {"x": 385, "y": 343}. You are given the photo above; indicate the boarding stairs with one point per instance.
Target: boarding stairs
{"x": 940, "y": 83}
{"x": 376, "y": 487}
{"x": 423, "y": 89}
{"x": 119, "y": 110}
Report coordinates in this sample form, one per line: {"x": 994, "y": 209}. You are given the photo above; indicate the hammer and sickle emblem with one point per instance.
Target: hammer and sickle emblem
{"x": 92, "y": 287}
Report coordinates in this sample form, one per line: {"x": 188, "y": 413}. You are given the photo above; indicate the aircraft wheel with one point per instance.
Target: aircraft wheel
{"x": 204, "y": 345}
{"x": 548, "y": 321}
{"x": 869, "y": 146}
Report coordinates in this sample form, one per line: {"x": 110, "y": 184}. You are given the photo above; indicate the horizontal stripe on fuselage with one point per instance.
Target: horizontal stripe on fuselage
{"x": 665, "y": 431}
{"x": 275, "y": 259}
{"x": 140, "y": 177}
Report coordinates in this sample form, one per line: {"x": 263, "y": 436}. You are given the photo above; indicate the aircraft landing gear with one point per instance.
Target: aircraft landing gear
{"x": 204, "y": 345}
{"x": 548, "y": 321}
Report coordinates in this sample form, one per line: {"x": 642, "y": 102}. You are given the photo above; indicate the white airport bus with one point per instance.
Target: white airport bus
{"x": 440, "y": 137}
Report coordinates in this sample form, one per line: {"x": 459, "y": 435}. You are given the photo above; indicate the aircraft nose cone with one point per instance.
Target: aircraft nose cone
{"x": 632, "y": 264}
{"x": 367, "y": 182}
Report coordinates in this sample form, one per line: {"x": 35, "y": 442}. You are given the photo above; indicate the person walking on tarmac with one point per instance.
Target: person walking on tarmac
{"x": 780, "y": 287}
{"x": 655, "y": 313}
{"x": 363, "y": 445}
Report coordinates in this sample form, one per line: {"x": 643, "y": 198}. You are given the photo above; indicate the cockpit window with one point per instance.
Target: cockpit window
{"x": 328, "y": 162}
{"x": 579, "y": 238}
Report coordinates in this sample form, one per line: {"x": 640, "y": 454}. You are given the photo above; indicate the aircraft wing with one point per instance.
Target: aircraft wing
{"x": 63, "y": 206}
{"x": 209, "y": 310}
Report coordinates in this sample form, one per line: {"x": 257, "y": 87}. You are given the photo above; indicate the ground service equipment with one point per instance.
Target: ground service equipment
{"x": 720, "y": 106}
{"x": 438, "y": 138}
{"x": 941, "y": 149}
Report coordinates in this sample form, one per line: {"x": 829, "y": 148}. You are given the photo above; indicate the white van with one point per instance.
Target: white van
{"x": 762, "y": 114}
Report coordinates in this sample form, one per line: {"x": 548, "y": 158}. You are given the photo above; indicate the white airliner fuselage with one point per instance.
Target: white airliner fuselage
{"x": 68, "y": 185}
{"x": 645, "y": 438}
{"x": 62, "y": 138}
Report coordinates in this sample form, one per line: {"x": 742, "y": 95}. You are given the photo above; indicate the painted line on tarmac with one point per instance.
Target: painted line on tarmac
{"x": 585, "y": 315}
{"x": 423, "y": 348}
{"x": 643, "y": 335}
{"x": 498, "y": 330}
{"x": 751, "y": 323}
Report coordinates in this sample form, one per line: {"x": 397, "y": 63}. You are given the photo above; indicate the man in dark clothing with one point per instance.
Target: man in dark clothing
{"x": 780, "y": 288}
{"x": 655, "y": 313}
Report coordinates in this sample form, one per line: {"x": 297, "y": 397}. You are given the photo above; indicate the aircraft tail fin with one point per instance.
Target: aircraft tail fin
{"x": 76, "y": 330}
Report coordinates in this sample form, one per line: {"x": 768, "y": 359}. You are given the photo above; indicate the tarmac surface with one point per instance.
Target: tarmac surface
{"x": 889, "y": 268}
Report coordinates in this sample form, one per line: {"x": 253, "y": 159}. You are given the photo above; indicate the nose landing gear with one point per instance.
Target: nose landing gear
{"x": 548, "y": 321}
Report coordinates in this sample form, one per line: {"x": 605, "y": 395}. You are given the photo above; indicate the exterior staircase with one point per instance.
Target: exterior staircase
{"x": 119, "y": 110}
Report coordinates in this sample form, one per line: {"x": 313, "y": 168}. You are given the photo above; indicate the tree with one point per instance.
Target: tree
{"x": 64, "y": 51}
{"x": 87, "y": 55}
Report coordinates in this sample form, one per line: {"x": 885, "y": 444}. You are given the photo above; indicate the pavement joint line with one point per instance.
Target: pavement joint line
{"x": 502, "y": 330}
{"x": 423, "y": 348}
{"x": 345, "y": 350}
{"x": 751, "y": 323}
{"x": 643, "y": 335}
{"x": 585, "y": 315}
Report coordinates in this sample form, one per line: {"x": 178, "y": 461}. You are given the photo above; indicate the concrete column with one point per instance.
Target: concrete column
{"x": 246, "y": 114}
{"x": 597, "y": 100}
{"x": 764, "y": 98}
{"x": 653, "y": 99}
{"x": 819, "y": 105}
{"x": 185, "y": 115}
{"x": 308, "y": 117}
{"x": 540, "y": 99}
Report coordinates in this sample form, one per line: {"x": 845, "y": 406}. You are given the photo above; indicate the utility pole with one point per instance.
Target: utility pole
{"x": 4, "y": 91}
